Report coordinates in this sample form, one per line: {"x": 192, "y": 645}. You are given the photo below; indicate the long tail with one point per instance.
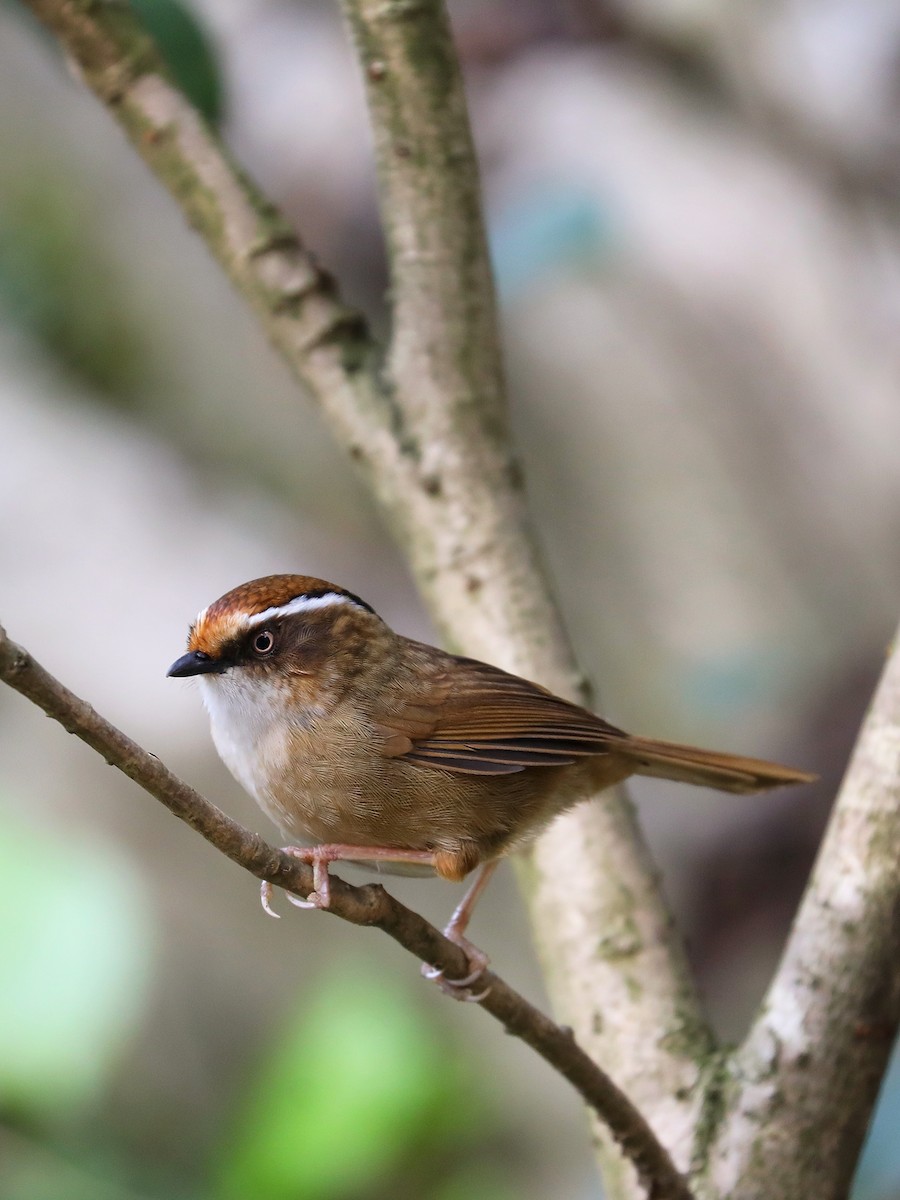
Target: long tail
{"x": 709, "y": 768}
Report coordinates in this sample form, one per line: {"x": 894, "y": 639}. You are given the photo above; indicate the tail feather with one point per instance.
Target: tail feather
{"x": 709, "y": 768}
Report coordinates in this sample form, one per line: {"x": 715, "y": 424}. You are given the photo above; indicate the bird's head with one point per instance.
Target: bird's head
{"x": 282, "y": 631}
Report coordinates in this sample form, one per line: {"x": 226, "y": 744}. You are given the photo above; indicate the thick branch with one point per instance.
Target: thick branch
{"x": 432, "y": 443}
{"x": 601, "y": 922}
{"x": 370, "y": 905}
{"x": 804, "y": 1083}
{"x": 324, "y": 343}
{"x": 445, "y": 356}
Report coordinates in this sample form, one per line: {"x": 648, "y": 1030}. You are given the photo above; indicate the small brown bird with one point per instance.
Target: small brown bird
{"x": 366, "y": 746}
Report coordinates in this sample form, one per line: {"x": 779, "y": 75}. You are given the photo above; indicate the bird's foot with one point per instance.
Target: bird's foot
{"x": 318, "y": 857}
{"x": 476, "y": 960}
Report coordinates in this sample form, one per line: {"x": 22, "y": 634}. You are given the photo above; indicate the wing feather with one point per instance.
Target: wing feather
{"x": 474, "y": 719}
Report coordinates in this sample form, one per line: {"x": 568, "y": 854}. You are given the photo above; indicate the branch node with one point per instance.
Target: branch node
{"x": 342, "y": 324}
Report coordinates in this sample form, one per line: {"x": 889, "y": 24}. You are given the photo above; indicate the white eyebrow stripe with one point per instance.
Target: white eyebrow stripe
{"x": 298, "y": 605}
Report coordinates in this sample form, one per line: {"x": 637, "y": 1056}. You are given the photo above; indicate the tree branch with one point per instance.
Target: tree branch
{"x": 430, "y": 437}
{"x": 602, "y": 925}
{"x": 802, "y": 1087}
{"x": 324, "y": 343}
{"x": 368, "y": 905}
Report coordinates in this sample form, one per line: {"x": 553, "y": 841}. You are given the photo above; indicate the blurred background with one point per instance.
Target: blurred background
{"x": 694, "y": 213}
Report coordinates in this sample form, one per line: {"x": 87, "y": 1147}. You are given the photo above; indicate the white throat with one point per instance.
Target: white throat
{"x": 251, "y": 723}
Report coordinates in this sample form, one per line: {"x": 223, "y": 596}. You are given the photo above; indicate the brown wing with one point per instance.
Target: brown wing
{"x": 474, "y": 719}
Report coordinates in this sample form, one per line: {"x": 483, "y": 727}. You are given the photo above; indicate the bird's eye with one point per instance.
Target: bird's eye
{"x": 264, "y": 643}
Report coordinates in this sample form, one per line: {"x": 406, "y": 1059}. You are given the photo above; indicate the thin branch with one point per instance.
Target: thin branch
{"x": 430, "y": 437}
{"x": 368, "y": 905}
{"x": 805, "y": 1081}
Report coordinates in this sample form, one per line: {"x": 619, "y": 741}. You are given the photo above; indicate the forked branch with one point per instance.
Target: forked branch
{"x": 425, "y": 424}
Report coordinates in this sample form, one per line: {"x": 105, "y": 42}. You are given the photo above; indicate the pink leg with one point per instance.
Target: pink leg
{"x": 319, "y": 857}
{"x": 455, "y": 931}
{"x": 462, "y": 914}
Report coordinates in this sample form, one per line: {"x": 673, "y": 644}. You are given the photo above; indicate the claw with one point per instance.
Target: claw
{"x": 470, "y": 999}
{"x": 266, "y": 892}
{"x": 319, "y": 898}
{"x": 437, "y": 974}
{"x": 456, "y": 988}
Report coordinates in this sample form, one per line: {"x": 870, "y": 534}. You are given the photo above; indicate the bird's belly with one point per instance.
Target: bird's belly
{"x": 405, "y": 806}
{"x": 323, "y": 794}
{"x": 327, "y": 782}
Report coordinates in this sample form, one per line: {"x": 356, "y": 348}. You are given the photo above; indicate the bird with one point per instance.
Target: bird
{"x": 366, "y": 746}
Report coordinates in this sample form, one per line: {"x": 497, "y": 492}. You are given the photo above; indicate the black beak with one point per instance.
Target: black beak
{"x": 196, "y": 663}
